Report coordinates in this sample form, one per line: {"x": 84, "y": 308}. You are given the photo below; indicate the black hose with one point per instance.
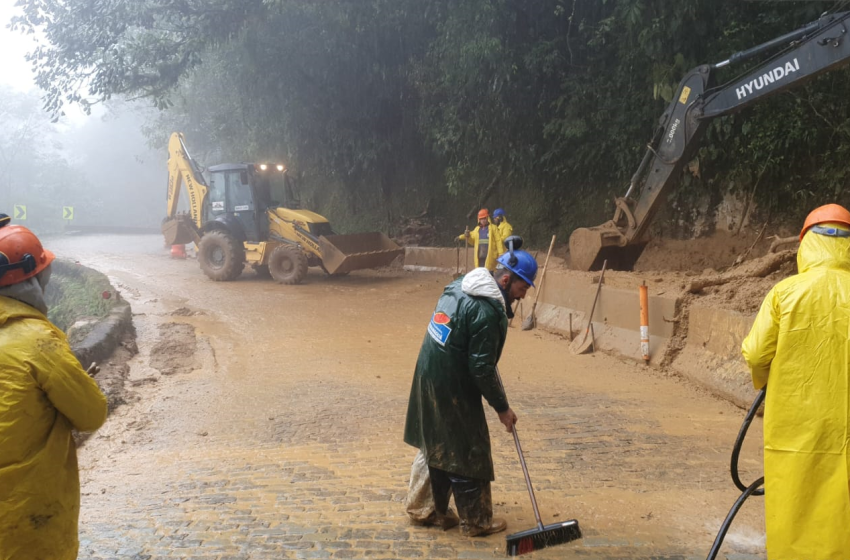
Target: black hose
{"x": 753, "y": 489}
{"x": 750, "y": 491}
{"x": 739, "y": 442}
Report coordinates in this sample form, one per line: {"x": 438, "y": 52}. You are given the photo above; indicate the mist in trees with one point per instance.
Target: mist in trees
{"x": 102, "y": 168}
{"x": 386, "y": 109}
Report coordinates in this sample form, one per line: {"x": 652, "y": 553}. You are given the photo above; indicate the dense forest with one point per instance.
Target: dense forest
{"x": 392, "y": 109}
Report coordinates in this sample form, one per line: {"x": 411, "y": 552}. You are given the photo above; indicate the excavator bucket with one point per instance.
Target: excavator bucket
{"x": 356, "y": 251}
{"x": 590, "y": 247}
{"x": 177, "y": 231}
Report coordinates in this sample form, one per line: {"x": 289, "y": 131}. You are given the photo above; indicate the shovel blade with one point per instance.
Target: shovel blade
{"x": 583, "y": 345}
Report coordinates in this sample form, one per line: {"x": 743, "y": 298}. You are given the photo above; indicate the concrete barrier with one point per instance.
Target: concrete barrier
{"x": 105, "y": 336}
{"x": 435, "y": 259}
{"x": 708, "y": 355}
{"x": 711, "y": 356}
{"x": 616, "y": 320}
{"x": 567, "y": 299}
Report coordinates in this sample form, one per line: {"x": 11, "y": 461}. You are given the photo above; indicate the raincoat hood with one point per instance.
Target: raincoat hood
{"x": 480, "y": 283}
{"x": 823, "y": 251}
{"x": 29, "y": 291}
{"x": 13, "y": 308}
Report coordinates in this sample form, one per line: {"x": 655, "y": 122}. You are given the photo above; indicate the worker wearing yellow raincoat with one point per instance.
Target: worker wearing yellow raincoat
{"x": 799, "y": 347}
{"x": 487, "y": 241}
{"x": 44, "y": 393}
{"x": 505, "y": 229}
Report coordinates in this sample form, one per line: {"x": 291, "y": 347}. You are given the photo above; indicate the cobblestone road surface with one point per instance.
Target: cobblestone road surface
{"x": 265, "y": 421}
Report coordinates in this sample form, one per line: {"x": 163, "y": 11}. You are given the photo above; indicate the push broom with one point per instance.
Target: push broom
{"x": 542, "y": 536}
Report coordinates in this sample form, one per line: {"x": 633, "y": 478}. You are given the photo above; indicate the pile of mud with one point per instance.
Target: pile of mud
{"x": 727, "y": 271}
{"x": 716, "y": 252}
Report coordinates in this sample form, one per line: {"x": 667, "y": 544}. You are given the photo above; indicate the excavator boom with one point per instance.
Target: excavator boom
{"x": 818, "y": 47}
{"x": 180, "y": 229}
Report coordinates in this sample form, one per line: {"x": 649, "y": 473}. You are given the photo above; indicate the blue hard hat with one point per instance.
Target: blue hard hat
{"x": 520, "y": 263}
{"x": 499, "y": 213}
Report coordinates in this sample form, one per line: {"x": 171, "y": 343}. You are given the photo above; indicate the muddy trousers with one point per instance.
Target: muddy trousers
{"x": 472, "y": 498}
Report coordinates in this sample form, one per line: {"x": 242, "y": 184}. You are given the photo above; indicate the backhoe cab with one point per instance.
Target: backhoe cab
{"x": 249, "y": 213}
{"x": 819, "y": 47}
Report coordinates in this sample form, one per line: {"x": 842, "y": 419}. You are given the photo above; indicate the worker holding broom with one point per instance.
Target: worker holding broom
{"x": 445, "y": 415}
{"x": 798, "y": 347}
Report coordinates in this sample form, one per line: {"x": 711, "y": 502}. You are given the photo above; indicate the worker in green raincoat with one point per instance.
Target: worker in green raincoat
{"x": 44, "y": 394}
{"x": 455, "y": 369}
{"x": 799, "y": 347}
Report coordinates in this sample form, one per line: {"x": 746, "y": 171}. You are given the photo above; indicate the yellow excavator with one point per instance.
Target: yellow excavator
{"x": 818, "y": 47}
{"x": 249, "y": 213}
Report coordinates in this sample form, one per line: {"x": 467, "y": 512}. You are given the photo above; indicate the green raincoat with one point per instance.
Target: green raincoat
{"x": 44, "y": 393}
{"x": 800, "y": 347}
{"x": 456, "y": 367}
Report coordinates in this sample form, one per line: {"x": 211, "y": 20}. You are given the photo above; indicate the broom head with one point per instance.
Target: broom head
{"x": 539, "y": 538}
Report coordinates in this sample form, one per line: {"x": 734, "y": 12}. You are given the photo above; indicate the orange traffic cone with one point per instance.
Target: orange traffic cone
{"x": 178, "y": 251}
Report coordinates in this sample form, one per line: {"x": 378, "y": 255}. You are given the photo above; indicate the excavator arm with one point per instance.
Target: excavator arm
{"x": 816, "y": 48}
{"x": 182, "y": 169}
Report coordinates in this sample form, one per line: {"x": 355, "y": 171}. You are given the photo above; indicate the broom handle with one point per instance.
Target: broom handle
{"x": 543, "y": 276}
{"x": 522, "y": 462}
{"x": 527, "y": 480}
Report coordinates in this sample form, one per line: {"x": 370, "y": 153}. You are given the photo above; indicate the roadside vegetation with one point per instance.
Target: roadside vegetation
{"x": 391, "y": 109}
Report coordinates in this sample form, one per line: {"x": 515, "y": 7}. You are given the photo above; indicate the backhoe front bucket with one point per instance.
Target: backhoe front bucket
{"x": 590, "y": 247}
{"x": 177, "y": 231}
{"x": 344, "y": 253}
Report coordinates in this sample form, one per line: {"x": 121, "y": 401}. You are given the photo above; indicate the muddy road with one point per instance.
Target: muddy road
{"x": 265, "y": 421}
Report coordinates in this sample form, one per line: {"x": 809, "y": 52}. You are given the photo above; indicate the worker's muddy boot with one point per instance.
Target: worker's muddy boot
{"x": 497, "y": 525}
{"x": 446, "y": 522}
{"x": 449, "y": 520}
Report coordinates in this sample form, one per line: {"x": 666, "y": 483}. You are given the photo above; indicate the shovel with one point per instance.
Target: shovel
{"x": 457, "y": 261}
{"x": 466, "y": 254}
{"x": 583, "y": 345}
{"x": 530, "y": 321}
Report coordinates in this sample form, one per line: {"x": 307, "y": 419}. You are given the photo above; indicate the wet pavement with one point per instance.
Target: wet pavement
{"x": 265, "y": 421}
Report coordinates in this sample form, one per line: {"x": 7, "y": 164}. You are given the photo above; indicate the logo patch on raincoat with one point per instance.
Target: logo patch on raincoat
{"x": 439, "y": 328}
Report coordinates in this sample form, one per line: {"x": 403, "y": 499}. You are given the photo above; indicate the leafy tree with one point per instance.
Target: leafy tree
{"x": 388, "y": 108}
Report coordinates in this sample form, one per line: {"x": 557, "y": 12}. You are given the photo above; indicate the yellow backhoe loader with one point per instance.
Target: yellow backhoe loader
{"x": 248, "y": 213}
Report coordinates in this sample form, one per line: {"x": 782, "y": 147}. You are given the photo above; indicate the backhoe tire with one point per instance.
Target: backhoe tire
{"x": 222, "y": 257}
{"x": 288, "y": 265}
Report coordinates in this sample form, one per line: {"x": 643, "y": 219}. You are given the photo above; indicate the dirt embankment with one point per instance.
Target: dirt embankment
{"x": 727, "y": 271}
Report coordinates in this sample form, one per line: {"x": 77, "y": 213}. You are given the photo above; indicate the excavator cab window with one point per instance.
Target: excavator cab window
{"x": 274, "y": 189}
{"x": 231, "y": 197}
{"x": 239, "y": 196}
{"x": 217, "y": 196}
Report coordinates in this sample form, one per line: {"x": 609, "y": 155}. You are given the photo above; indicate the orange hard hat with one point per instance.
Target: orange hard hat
{"x": 21, "y": 253}
{"x": 834, "y": 213}
{"x": 483, "y": 213}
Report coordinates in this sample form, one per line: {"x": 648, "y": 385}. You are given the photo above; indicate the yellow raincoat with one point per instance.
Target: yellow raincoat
{"x": 44, "y": 392}
{"x": 800, "y": 347}
{"x": 505, "y": 229}
{"x": 495, "y": 249}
